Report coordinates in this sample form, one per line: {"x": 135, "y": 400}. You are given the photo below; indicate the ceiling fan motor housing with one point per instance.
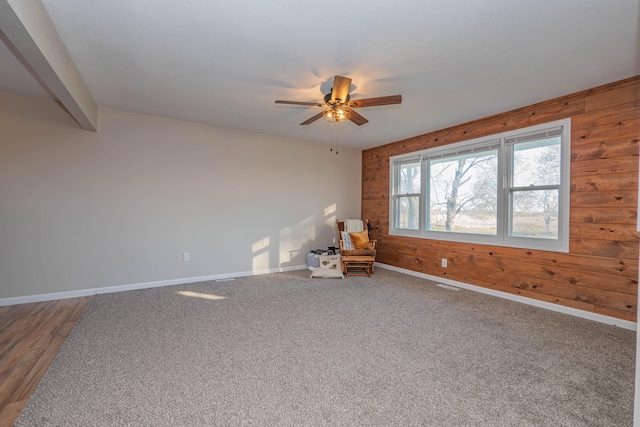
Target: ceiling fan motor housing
{"x": 327, "y": 99}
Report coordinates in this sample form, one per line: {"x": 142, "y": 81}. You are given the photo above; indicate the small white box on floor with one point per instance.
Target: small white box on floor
{"x": 330, "y": 267}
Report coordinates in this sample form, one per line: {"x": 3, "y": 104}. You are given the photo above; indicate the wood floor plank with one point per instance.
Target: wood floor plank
{"x": 19, "y": 319}
{"x": 30, "y": 337}
{"x": 43, "y": 360}
{"x": 27, "y": 340}
{"x": 10, "y": 413}
{"x": 45, "y": 342}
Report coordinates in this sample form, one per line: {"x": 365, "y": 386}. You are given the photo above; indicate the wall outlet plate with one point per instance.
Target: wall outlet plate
{"x": 186, "y": 256}
{"x": 444, "y": 262}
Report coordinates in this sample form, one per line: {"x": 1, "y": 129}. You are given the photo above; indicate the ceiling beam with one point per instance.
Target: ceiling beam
{"x": 27, "y": 30}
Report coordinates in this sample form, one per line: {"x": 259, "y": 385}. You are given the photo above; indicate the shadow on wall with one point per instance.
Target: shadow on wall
{"x": 290, "y": 247}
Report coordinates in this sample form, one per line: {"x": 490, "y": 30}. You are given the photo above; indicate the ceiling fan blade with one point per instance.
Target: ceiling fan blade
{"x": 374, "y": 102}
{"x": 340, "y": 89}
{"x": 315, "y": 104}
{"x": 312, "y": 119}
{"x": 357, "y": 118}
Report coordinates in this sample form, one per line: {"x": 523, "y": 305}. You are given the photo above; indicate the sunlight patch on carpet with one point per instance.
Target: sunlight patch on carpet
{"x": 200, "y": 295}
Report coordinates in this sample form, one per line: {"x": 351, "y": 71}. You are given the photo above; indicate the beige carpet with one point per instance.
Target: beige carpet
{"x": 287, "y": 350}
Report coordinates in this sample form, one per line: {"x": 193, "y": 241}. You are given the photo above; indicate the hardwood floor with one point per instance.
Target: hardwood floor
{"x": 30, "y": 337}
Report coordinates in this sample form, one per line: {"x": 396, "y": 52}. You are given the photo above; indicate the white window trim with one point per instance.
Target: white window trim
{"x": 502, "y": 238}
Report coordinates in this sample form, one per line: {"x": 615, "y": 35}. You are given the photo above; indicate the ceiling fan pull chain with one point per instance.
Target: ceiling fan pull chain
{"x": 331, "y": 137}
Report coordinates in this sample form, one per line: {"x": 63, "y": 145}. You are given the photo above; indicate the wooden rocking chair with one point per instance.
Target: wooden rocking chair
{"x": 356, "y": 261}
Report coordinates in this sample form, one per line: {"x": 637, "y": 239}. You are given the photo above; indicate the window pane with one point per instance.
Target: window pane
{"x": 408, "y": 212}
{"x": 537, "y": 162}
{"x": 535, "y": 214}
{"x": 463, "y": 194}
{"x": 409, "y": 178}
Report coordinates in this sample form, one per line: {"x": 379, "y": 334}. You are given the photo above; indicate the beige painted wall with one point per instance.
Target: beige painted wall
{"x": 82, "y": 210}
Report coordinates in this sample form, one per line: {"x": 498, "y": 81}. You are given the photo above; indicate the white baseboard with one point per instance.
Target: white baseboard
{"x": 626, "y": 324}
{"x": 135, "y": 286}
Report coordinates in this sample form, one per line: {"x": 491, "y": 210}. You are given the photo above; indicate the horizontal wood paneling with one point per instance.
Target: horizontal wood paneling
{"x": 617, "y": 94}
{"x": 617, "y": 198}
{"x": 606, "y": 116}
{"x": 614, "y": 249}
{"x": 625, "y": 128}
{"x": 609, "y": 182}
{"x": 604, "y": 167}
{"x": 603, "y": 215}
{"x": 435, "y": 249}
{"x": 603, "y": 231}
{"x": 600, "y": 272}
{"x": 604, "y": 149}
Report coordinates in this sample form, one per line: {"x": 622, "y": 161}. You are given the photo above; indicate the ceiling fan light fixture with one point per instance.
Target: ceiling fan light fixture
{"x": 338, "y": 105}
{"x": 337, "y": 113}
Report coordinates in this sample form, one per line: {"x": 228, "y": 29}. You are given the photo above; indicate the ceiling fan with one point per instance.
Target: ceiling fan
{"x": 339, "y": 106}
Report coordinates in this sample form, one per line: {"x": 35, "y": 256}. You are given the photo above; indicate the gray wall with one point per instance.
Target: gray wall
{"x": 82, "y": 210}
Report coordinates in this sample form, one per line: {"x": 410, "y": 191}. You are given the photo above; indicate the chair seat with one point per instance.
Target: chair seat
{"x": 358, "y": 252}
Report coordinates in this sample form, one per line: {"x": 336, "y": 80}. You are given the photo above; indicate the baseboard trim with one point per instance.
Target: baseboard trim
{"x": 625, "y": 324}
{"x": 136, "y": 286}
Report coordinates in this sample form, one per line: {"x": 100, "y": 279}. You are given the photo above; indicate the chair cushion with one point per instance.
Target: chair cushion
{"x": 359, "y": 252}
{"x": 360, "y": 240}
{"x": 346, "y": 241}
{"x": 327, "y": 273}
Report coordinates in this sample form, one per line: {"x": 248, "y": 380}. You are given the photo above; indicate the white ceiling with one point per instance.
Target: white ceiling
{"x": 225, "y": 63}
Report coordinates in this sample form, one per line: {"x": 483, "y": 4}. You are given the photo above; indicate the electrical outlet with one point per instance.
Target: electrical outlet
{"x": 186, "y": 256}
{"x": 444, "y": 262}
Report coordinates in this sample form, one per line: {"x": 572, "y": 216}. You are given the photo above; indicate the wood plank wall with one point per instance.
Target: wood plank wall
{"x": 600, "y": 272}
